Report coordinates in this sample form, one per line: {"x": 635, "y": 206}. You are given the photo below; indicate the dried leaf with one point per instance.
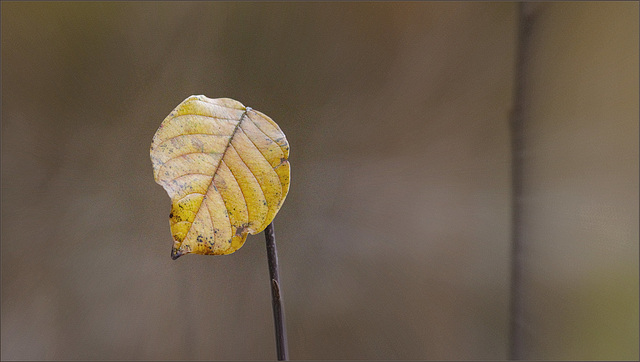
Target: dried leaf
{"x": 225, "y": 169}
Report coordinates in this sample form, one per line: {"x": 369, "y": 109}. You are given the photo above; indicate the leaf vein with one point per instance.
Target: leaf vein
{"x": 192, "y": 173}
{"x": 216, "y": 104}
{"x": 244, "y": 198}
{"x": 217, "y": 167}
{"x": 269, "y": 137}
{"x": 185, "y": 196}
{"x": 203, "y": 115}
{"x": 210, "y": 216}
{"x": 265, "y": 157}
{"x": 252, "y": 174}
{"x": 181, "y": 156}
{"x": 187, "y": 134}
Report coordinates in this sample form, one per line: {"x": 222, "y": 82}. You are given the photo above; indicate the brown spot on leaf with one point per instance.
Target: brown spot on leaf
{"x": 240, "y": 230}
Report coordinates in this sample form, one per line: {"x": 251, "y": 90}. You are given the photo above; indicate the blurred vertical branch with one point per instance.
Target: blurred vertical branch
{"x": 517, "y": 135}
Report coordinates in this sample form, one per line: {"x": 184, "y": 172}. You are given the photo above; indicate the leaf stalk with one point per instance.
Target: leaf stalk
{"x": 276, "y": 294}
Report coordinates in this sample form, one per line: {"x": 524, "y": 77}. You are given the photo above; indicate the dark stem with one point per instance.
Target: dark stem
{"x": 276, "y": 294}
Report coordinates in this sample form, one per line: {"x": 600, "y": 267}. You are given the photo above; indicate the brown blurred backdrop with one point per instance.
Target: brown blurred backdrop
{"x": 394, "y": 240}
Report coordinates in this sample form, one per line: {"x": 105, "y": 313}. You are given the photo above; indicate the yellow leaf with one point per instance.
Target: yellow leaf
{"x": 225, "y": 169}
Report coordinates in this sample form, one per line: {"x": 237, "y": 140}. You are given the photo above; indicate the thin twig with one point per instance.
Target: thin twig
{"x": 276, "y": 294}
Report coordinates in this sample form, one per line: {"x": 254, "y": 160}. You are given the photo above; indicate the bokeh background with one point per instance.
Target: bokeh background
{"x": 394, "y": 240}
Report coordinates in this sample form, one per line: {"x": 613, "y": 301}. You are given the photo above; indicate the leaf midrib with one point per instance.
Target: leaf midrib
{"x": 215, "y": 172}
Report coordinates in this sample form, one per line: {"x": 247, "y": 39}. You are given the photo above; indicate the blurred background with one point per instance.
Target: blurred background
{"x": 395, "y": 238}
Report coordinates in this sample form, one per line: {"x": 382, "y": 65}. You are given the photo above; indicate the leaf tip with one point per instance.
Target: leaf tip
{"x": 176, "y": 253}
